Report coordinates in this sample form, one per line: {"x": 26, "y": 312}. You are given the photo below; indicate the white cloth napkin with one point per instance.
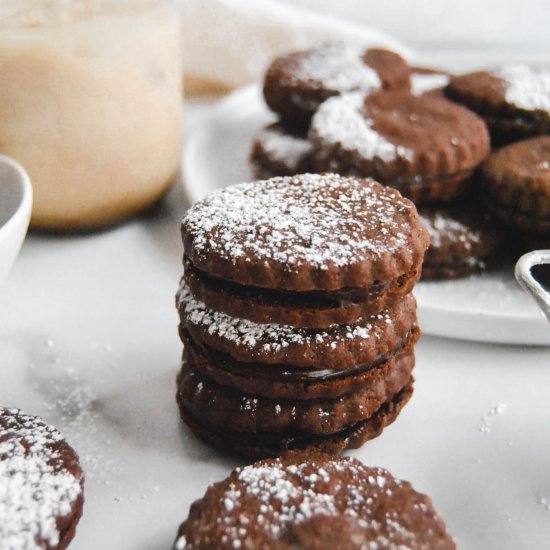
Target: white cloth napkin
{"x": 228, "y": 43}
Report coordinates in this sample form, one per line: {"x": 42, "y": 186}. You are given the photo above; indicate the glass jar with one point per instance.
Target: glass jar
{"x": 90, "y": 104}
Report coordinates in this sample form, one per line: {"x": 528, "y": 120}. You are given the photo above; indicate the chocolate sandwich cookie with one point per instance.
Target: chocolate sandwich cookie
{"x": 41, "y": 484}
{"x": 513, "y": 100}
{"x": 279, "y": 152}
{"x": 227, "y": 407}
{"x": 308, "y": 251}
{"x": 336, "y": 348}
{"x": 423, "y": 146}
{"x": 431, "y": 82}
{"x": 463, "y": 240}
{"x": 264, "y": 444}
{"x": 315, "y": 501}
{"x": 517, "y": 181}
{"x": 288, "y": 382}
{"x": 297, "y": 83}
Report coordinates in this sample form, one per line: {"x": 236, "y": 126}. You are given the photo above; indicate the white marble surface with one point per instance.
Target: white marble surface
{"x": 88, "y": 340}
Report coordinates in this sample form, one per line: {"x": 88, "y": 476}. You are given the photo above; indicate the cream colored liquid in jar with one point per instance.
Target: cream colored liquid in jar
{"x": 90, "y": 104}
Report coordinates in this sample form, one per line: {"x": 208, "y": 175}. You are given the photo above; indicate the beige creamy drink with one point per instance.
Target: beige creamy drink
{"x": 90, "y": 104}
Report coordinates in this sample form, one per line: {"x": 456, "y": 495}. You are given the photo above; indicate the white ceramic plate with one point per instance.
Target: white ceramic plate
{"x": 488, "y": 308}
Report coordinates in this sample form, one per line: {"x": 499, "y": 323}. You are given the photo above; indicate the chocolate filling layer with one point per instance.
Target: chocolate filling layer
{"x": 288, "y": 373}
{"x": 289, "y": 299}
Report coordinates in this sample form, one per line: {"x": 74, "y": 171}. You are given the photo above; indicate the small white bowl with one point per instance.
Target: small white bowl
{"x": 15, "y": 211}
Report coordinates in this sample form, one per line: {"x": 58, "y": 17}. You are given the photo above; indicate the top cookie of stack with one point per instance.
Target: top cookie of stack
{"x": 308, "y": 251}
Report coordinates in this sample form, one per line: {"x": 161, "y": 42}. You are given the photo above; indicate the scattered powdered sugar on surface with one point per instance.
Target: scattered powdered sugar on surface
{"x": 340, "y": 120}
{"x": 443, "y": 226}
{"x": 487, "y": 419}
{"x": 317, "y": 220}
{"x": 74, "y": 403}
{"x": 34, "y": 489}
{"x": 526, "y": 88}
{"x": 422, "y": 83}
{"x": 545, "y": 503}
{"x": 283, "y": 147}
{"x": 273, "y": 337}
{"x": 337, "y": 67}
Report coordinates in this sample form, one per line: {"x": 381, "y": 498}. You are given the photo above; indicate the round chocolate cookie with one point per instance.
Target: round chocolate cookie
{"x": 297, "y": 83}
{"x": 41, "y": 484}
{"x": 463, "y": 240}
{"x": 227, "y": 407}
{"x": 265, "y": 444}
{"x": 513, "y": 100}
{"x": 517, "y": 181}
{"x": 430, "y": 82}
{"x": 425, "y": 147}
{"x": 309, "y": 251}
{"x": 315, "y": 501}
{"x": 278, "y": 152}
{"x": 336, "y": 348}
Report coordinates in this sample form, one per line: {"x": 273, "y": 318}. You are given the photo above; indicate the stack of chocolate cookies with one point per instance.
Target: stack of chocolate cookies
{"x": 296, "y": 312}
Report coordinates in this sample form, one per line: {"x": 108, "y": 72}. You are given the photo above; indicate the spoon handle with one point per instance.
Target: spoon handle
{"x": 525, "y": 277}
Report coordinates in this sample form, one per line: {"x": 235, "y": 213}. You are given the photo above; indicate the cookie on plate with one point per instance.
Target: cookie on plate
{"x": 297, "y": 83}
{"x": 513, "y": 100}
{"x": 426, "y": 147}
{"x": 463, "y": 240}
{"x": 41, "y": 484}
{"x": 315, "y": 501}
{"x": 308, "y": 251}
{"x": 517, "y": 181}
{"x": 279, "y": 152}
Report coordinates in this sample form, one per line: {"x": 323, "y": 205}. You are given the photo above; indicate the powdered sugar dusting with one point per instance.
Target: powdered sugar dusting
{"x": 422, "y": 83}
{"x": 34, "y": 487}
{"x": 441, "y": 226}
{"x": 284, "y": 148}
{"x": 281, "y": 496}
{"x": 340, "y": 120}
{"x": 526, "y": 88}
{"x": 336, "y": 67}
{"x": 487, "y": 419}
{"x": 318, "y": 220}
{"x": 273, "y": 337}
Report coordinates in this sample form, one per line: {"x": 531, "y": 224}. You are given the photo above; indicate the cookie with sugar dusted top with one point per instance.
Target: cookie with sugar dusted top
{"x": 310, "y": 250}
{"x": 297, "y": 83}
{"x": 463, "y": 240}
{"x": 514, "y": 100}
{"x": 424, "y": 146}
{"x": 41, "y": 484}
{"x": 315, "y": 501}
{"x": 338, "y": 347}
{"x": 517, "y": 180}
{"x": 279, "y": 152}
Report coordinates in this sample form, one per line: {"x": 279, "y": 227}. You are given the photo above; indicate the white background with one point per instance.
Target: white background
{"x": 517, "y": 25}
